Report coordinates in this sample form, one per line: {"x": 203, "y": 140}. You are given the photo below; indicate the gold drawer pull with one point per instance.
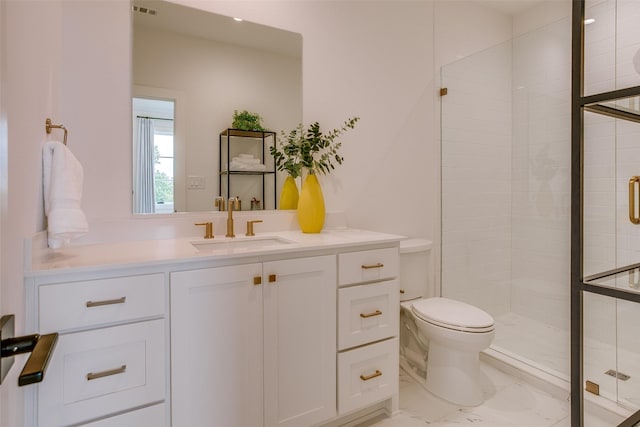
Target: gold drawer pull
{"x": 106, "y": 302}
{"x": 377, "y": 265}
{"x": 120, "y": 370}
{"x": 375, "y": 313}
{"x": 369, "y": 377}
{"x": 257, "y": 280}
{"x": 272, "y": 278}
{"x": 632, "y": 200}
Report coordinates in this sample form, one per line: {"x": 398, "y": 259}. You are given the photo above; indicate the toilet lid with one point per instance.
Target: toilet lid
{"x": 453, "y": 314}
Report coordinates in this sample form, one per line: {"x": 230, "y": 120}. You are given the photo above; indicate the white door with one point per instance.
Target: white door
{"x": 300, "y": 341}
{"x": 216, "y": 347}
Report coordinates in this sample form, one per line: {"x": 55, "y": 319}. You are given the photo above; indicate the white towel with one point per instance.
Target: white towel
{"x": 62, "y": 180}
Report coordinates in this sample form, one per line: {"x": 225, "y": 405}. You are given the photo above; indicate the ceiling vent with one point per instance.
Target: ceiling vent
{"x": 145, "y": 10}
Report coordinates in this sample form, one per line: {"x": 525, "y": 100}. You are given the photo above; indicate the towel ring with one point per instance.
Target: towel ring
{"x": 48, "y": 126}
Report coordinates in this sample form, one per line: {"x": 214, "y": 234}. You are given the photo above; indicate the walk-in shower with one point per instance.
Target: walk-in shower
{"x": 506, "y": 206}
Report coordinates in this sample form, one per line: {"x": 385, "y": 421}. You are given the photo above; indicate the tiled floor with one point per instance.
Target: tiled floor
{"x": 509, "y": 403}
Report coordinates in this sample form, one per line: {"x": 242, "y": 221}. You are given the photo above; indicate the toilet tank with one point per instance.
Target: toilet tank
{"x": 415, "y": 263}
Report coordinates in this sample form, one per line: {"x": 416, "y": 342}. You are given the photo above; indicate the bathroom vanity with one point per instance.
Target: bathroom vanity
{"x": 284, "y": 329}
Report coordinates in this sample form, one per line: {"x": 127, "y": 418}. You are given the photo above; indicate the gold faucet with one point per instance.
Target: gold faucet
{"x": 250, "y": 227}
{"x": 233, "y": 202}
{"x": 208, "y": 229}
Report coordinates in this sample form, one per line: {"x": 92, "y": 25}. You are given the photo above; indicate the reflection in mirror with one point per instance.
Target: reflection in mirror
{"x": 209, "y": 66}
{"x": 153, "y": 153}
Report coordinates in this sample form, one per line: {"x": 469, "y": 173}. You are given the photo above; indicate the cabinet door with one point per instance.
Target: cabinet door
{"x": 300, "y": 341}
{"x": 216, "y": 347}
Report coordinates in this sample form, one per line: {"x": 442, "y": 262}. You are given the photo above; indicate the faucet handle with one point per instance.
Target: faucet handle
{"x": 250, "y": 227}
{"x": 234, "y": 203}
{"x": 219, "y": 203}
{"x": 208, "y": 229}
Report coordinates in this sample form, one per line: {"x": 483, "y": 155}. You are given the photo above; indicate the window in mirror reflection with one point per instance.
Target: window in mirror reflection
{"x": 153, "y": 155}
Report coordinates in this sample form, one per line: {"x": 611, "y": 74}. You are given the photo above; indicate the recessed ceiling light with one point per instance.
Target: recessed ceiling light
{"x": 589, "y": 21}
{"x": 238, "y": 19}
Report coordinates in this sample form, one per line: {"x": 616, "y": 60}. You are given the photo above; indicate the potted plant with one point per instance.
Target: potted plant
{"x": 244, "y": 120}
{"x": 316, "y": 152}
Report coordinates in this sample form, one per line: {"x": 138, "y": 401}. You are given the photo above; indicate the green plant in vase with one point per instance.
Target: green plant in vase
{"x": 317, "y": 152}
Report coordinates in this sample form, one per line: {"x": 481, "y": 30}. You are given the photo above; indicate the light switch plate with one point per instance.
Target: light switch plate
{"x": 195, "y": 182}
{"x": 7, "y": 330}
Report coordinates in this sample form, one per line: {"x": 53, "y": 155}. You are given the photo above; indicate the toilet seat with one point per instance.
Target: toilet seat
{"x": 453, "y": 314}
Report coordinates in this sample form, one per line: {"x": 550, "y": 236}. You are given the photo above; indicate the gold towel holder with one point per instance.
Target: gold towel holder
{"x": 48, "y": 126}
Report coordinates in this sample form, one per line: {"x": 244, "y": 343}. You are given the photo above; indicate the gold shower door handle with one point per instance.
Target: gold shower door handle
{"x": 632, "y": 200}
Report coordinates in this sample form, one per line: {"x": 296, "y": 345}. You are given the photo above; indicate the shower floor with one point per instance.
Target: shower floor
{"x": 547, "y": 348}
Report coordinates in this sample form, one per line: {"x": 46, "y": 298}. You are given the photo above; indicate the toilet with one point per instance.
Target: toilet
{"x": 452, "y": 332}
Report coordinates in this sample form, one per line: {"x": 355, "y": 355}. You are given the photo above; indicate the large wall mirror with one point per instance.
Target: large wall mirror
{"x": 192, "y": 70}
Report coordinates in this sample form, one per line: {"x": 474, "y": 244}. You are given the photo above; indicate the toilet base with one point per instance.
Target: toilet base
{"x": 454, "y": 375}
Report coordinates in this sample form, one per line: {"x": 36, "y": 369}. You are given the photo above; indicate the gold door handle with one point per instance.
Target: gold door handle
{"x": 375, "y": 313}
{"x": 632, "y": 200}
{"x": 110, "y": 372}
{"x": 120, "y": 300}
{"x": 369, "y": 377}
{"x": 272, "y": 278}
{"x": 257, "y": 280}
{"x": 377, "y": 265}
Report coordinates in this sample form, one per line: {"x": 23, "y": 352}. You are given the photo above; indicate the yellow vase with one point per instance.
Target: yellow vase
{"x": 289, "y": 194}
{"x": 311, "y": 206}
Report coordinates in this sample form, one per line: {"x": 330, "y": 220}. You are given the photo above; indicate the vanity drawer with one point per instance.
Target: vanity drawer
{"x": 367, "y": 375}
{"x": 74, "y": 305}
{"x": 367, "y": 266}
{"x": 96, "y": 373}
{"x": 367, "y": 313}
{"x": 151, "y": 416}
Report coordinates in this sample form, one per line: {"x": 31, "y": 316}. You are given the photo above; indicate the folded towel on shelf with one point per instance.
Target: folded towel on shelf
{"x": 246, "y": 162}
{"x": 62, "y": 176}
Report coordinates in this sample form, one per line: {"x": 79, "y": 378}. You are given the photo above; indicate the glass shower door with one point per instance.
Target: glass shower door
{"x": 505, "y": 184}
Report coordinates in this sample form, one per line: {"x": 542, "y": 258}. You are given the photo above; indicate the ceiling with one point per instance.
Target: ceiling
{"x": 197, "y": 23}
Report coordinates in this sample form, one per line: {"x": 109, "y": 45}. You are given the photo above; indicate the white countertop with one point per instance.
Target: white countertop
{"x": 170, "y": 251}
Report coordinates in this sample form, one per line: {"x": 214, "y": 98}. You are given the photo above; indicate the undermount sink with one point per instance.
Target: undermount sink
{"x": 257, "y": 242}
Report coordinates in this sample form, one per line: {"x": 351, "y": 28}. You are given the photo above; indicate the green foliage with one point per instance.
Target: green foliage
{"x": 162, "y": 183}
{"x": 245, "y": 120}
{"x": 163, "y": 187}
{"x": 309, "y": 148}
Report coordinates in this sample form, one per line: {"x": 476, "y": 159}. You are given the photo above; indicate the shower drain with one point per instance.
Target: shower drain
{"x": 618, "y": 375}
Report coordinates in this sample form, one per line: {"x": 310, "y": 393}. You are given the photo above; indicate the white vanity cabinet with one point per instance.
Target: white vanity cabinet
{"x": 254, "y": 344}
{"x": 368, "y": 317}
{"x": 110, "y": 358}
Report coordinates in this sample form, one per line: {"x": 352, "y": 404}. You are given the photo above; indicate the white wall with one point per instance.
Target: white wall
{"x": 382, "y": 71}
{"x": 215, "y": 79}
{"x": 31, "y": 77}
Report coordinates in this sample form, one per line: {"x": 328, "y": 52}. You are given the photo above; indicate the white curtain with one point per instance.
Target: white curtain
{"x": 143, "y": 184}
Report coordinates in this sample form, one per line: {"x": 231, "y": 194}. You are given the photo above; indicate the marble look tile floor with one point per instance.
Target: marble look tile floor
{"x": 510, "y": 402}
